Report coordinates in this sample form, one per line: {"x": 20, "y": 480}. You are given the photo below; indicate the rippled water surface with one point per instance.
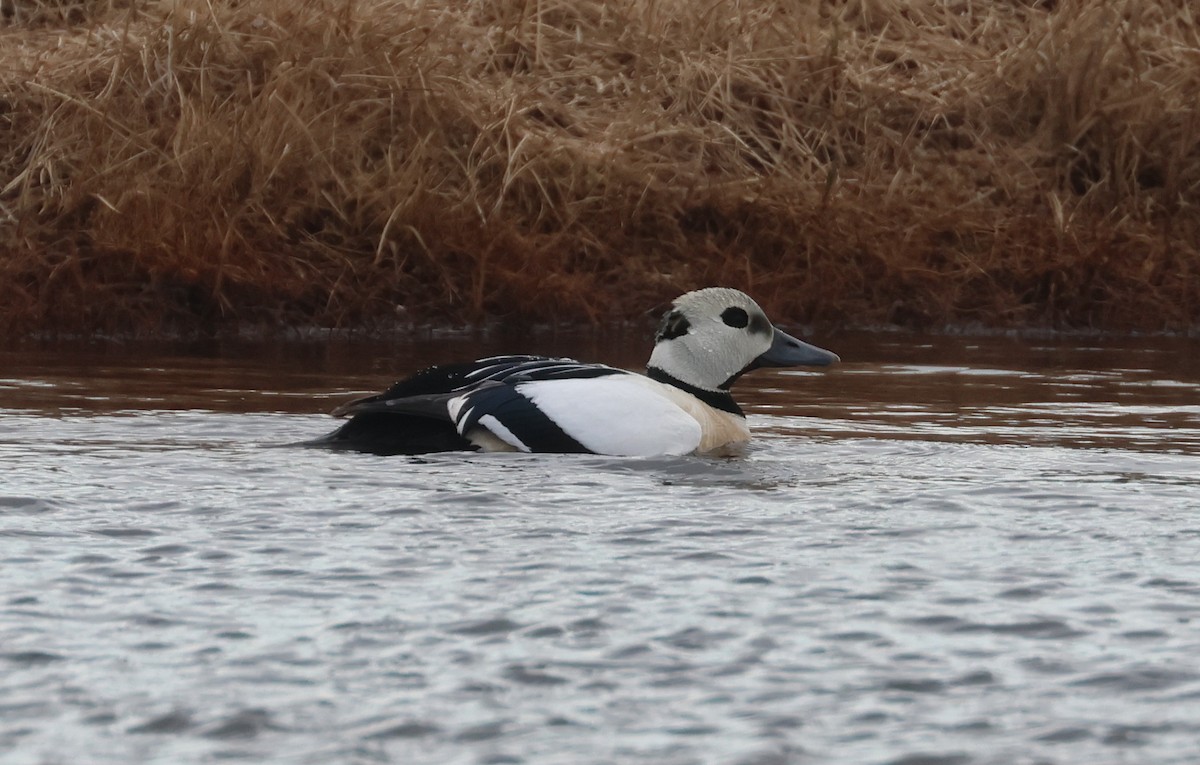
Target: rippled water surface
{"x": 942, "y": 551}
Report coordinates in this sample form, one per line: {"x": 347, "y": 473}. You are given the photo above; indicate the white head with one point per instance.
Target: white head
{"x": 710, "y": 337}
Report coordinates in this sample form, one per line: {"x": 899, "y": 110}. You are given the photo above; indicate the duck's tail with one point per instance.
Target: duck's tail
{"x": 390, "y": 433}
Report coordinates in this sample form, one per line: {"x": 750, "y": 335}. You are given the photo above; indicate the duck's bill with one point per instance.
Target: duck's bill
{"x": 787, "y": 351}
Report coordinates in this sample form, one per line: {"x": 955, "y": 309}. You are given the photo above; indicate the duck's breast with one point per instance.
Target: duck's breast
{"x": 720, "y": 431}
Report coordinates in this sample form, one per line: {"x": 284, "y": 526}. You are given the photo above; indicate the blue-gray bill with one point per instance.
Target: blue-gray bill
{"x": 787, "y": 351}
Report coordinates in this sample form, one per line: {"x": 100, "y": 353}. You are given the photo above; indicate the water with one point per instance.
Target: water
{"x": 943, "y": 551}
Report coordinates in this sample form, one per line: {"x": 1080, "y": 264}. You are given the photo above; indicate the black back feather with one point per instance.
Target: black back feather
{"x": 412, "y": 416}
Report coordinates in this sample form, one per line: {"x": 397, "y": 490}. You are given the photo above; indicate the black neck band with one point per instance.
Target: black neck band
{"x": 717, "y": 399}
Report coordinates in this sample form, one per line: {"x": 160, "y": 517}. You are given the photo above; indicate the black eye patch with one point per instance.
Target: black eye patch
{"x": 735, "y": 317}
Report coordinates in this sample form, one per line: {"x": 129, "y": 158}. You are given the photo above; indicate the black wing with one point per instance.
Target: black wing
{"x": 444, "y": 378}
{"x": 431, "y": 383}
{"x": 412, "y": 416}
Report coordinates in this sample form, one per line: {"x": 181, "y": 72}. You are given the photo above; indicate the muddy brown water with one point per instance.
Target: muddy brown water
{"x": 946, "y": 550}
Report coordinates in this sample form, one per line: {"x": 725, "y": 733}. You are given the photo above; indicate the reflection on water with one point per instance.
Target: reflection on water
{"x": 944, "y": 550}
{"x": 1126, "y": 408}
{"x": 1131, "y": 393}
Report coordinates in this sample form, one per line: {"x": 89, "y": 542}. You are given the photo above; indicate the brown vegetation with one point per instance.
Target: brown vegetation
{"x": 206, "y": 165}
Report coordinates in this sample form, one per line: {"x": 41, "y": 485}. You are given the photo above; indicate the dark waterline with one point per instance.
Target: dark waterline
{"x": 1122, "y": 391}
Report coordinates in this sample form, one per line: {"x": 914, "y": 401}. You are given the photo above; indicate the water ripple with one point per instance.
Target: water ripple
{"x": 921, "y": 560}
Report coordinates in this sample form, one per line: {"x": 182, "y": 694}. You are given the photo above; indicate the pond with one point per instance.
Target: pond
{"x": 943, "y": 550}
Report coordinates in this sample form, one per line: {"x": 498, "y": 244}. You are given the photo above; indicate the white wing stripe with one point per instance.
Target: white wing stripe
{"x": 501, "y": 432}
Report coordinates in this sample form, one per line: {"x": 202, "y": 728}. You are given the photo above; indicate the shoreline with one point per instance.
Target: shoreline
{"x": 534, "y": 333}
{"x": 185, "y": 169}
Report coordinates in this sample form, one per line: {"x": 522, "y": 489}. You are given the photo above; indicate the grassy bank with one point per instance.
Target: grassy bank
{"x": 190, "y": 166}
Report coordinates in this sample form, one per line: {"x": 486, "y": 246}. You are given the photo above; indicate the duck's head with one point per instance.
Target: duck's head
{"x": 711, "y": 337}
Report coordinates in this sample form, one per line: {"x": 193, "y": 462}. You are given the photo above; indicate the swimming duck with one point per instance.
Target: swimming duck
{"x": 681, "y": 405}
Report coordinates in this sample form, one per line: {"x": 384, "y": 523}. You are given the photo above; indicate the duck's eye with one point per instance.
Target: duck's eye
{"x": 735, "y": 317}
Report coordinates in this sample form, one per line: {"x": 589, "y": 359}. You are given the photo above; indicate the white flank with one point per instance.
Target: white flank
{"x": 616, "y": 415}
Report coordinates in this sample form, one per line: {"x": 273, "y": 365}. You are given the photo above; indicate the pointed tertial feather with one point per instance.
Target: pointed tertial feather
{"x": 457, "y": 378}
{"x": 433, "y": 406}
{"x": 432, "y": 380}
{"x": 462, "y": 377}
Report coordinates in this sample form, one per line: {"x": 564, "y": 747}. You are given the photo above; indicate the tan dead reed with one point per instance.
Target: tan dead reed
{"x": 206, "y": 165}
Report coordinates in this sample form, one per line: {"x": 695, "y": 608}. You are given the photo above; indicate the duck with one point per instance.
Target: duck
{"x": 682, "y": 404}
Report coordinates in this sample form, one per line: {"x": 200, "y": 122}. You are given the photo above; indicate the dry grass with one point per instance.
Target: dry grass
{"x": 205, "y": 165}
